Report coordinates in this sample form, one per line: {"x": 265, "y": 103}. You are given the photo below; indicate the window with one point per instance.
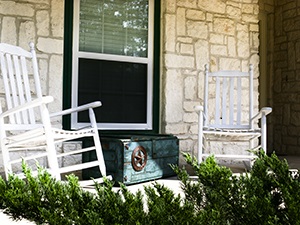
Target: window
{"x": 113, "y": 49}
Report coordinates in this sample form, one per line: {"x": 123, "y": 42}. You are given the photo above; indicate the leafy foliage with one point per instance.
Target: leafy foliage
{"x": 268, "y": 194}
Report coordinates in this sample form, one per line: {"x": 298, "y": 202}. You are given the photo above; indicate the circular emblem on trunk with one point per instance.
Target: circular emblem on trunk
{"x": 139, "y": 158}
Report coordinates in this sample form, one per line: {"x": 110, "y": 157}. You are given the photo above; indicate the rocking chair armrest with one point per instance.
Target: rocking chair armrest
{"x": 200, "y": 110}
{"x": 77, "y": 109}
{"x": 263, "y": 112}
{"x": 28, "y": 105}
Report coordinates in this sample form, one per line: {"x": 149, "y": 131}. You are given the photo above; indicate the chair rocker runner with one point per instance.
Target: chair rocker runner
{"x": 26, "y": 127}
{"x": 227, "y": 116}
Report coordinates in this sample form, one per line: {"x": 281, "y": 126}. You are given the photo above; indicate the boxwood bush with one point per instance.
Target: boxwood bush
{"x": 268, "y": 194}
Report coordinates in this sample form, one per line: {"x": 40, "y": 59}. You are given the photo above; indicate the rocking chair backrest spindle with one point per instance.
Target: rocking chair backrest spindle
{"x": 15, "y": 63}
{"x": 229, "y": 107}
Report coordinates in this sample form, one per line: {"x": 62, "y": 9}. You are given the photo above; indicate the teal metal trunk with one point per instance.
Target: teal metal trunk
{"x": 137, "y": 158}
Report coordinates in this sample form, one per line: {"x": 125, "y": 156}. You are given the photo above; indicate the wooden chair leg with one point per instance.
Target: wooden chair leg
{"x": 200, "y": 136}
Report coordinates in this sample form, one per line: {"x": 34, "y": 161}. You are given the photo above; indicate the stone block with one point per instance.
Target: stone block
{"x": 186, "y": 145}
{"x": 55, "y": 81}
{"x": 170, "y": 6}
{"x": 293, "y": 131}
{"x": 190, "y": 117}
{"x": 194, "y": 129}
{"x": 180, "y": 19}
{"x": 170, "y": 33}
{"x": 209, "y": 17}
{"x": 27, "y": 33}
{"x": 68, "y": 147}
{"x": 219, "y": 50}
{"x": 254, "y": 37}
{"x": 187, "y": 3}
{"x": 224, "y": 26}
{"x": 189, "y": 72}
{"x": 190, "y": 84}
{"x": 201, "y": 53}
{"x": 213, "y": 6}
{"x": 188, "y": 106}
{"x": 247, "y": 8}
{"x": 286, "y": 114}
{"x": 197, "y": 29}
{"x": 186, "y": 49}
{"x": 57, "y": 18}
{"x": 176, "y": 128}
{"x": 50, "y": 45}
{"x": 243, "y": 49}
{"x": 42, "y": 2}
{"x": 231, "y": 46}
{"x": 254, "y": 28}
{"x": 179, "y": 61}
{"x": 291, "y": 13}
{"x": 216, "y": 38}
{"x": 229, "y": 64}
{"x": 293, "y": 35}
{"x": 173, "y": 96}
{"x": 233, "y": 12}
{"x": 289, "y": 25}
{"x": 43, "y": 22}
{"x": 9, "y": 30}
{"x": 185, "y": 40}
{"x": 12, "y": 8}
{"x": 295, "y": 118}
{"x": 250, "y": 18}
{"x": 195, "y": 14}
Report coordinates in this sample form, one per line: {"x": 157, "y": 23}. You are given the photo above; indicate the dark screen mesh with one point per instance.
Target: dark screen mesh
{"x": 120, "y": 86}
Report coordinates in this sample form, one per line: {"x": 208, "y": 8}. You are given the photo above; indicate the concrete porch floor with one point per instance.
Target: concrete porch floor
{"x": 171, "y": 182}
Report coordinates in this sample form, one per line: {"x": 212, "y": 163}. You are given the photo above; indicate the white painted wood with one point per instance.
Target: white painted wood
{"x": 231, "y": 101}
{"x": 251, "y": 92}
{"x": 224, "y": 101}
{"x": 217, "y": 112}
{"x": 113, "y": 57}
{"x": 239, "y": 101}
{"x": 26, "y": 123}
{"x": 228, "y": 126}
{"x": 206, "y": 118}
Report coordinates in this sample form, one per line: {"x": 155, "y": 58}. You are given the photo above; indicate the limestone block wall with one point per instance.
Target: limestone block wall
{"x": 194, "y": 32}
{"x": 40, "y": 22}
{"x": 286, "y": 89}
{"x": 224, "y": 34}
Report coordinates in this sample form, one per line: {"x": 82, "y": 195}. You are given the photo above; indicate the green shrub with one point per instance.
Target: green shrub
{"x": 268, "y": 194}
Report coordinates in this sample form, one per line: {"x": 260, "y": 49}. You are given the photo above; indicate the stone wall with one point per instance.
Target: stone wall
{"x": 224, "y": 34}
{"x": 40, "y": 22}
{"x": 286, "y": 89}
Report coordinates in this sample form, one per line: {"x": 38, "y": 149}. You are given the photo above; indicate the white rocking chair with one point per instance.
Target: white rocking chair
{"x": 26, "y": 132}
{"x": 227, "y": 117}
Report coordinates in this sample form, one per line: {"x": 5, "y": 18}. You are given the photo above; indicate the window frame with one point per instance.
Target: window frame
{"x": 152, "y": 125}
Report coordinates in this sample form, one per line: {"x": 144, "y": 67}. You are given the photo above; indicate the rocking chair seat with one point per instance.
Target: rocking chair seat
{"x": 227, "y": 134}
